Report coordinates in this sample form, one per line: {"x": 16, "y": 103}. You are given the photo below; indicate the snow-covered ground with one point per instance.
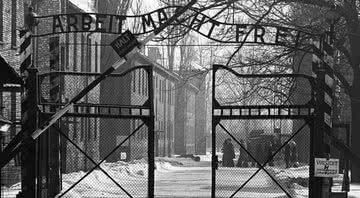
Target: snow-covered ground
{"x": 182, "y": 177}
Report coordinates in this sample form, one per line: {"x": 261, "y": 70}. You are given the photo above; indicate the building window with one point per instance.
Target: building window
{"x": 67, "y": 51}
{"x": 133, "y": 81}
{"x": 1, "y": 20}
{"x": 82, "y": 126}
{"x": 160, "y": 91}
{"x": 156, "y": 82}
{"x": 89, "y": 64}
{"x": 13, "y": 23}
{"x": 139, "y": 80}
{"x": 164, "y": 91}
{"x": 143, "y": 82}
{"x": 96, "y": 57}
{"x": 75, "y": 53}
{"x": 169, "y": 93}
{"x": 146, "y": 83}
{"x": 62, "y": 58}
{"x": 155, "y": 108}
{"x": 83, "y": 53}
{"x": 95, "y": 127}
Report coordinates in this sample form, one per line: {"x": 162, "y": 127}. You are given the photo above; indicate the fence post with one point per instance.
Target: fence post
{"x": 29, "y": 122}
{"x": 323, "y": 69}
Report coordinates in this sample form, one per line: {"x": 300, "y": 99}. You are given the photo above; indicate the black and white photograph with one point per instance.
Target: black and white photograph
{"x": 180, "y": 98}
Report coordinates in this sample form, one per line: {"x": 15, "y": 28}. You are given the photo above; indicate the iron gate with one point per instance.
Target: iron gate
{"x": 110, "y": 129}
{"x": 269, "y": 120}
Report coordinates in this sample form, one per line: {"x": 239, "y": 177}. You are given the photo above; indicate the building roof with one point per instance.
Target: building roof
{"x": 157, "y": 67}
{"x": 172, "y": 75}
{"x": 7, "y": 74}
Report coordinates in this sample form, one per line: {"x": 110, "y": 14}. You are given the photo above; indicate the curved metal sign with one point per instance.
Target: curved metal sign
{"x": 147, "y": 23}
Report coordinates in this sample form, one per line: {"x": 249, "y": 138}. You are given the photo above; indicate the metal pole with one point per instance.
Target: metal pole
{"x": 214, "y": 157}
{"x": 151, "y": 136}
{"x": 345, "y": 184}
{"x": 28, "y": 151}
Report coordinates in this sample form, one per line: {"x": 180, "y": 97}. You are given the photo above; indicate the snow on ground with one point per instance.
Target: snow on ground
{"x": 182, "y": 177}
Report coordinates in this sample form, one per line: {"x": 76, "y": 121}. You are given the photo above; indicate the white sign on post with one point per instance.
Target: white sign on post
{"x": 326, "y": 167}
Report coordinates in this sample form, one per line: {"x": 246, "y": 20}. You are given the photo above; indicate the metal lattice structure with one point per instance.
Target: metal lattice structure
{"x": 263, "y": 128}
{"x": 99, "y": 132}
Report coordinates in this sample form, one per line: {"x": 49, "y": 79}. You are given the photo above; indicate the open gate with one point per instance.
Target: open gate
{"x": 97, "y": 142}
{"x": 269, "y": 120}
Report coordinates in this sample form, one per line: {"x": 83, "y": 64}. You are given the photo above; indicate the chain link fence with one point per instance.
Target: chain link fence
{"x": 256, "y": 161}
{"x": 262, "y": 137}
{"x": 104, "y": 138}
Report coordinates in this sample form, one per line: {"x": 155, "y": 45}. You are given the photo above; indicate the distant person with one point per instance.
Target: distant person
{"x": 270, "y": 150}
{"x": 242, "y": 161}
{"x": 259, "y": 154}
{"x": 290, "y": 154}
{"x": 250, "y": 148}
{"x": 228, "y": 153}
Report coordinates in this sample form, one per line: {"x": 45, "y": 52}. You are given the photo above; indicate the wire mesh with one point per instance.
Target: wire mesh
{"x": 262, "y": 150}
{"x": 254, "y": 144}
{"x": 254, "y": 89}
{"x": 11, "y": 172}
{"x": 122, "y": 155}
{"x": 104, "y": 139}
{"x": 131, "y": 89}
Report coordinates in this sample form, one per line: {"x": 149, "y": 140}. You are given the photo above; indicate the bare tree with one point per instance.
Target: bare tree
{"x": 313, "y": 17}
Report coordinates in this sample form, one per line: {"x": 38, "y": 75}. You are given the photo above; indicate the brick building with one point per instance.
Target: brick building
{"x": 11, "y": 21}
{"x": 69, "y": 52}
{"x": 190, "y": 114}
{"x": 179, "y": 127}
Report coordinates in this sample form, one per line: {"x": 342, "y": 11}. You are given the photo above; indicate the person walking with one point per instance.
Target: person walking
{"x": 242, "y": 162}
{"x": 270, "y": 150}
{"x": 228, "y": 153}
{"x": 293, "y": 154}
{"x": 290, "y": 154}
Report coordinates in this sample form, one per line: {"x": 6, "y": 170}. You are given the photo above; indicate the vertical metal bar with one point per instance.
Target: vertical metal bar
{"x": 28, "y": 152}
{"x": 52, "y": 187}
{"x": 151, "y": 135}
{"x": 213, "y": 137}
{"x": 345, "y": 185}
{"x": 312, "y": 162}
{"x": 316, "y": 183}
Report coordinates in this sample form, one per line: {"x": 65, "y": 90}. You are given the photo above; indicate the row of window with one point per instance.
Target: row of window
{"x": 86, "y": 47}
{"x": 164, "y": 89}
{"x": 139, "y": 83}
{"x": 84, "y": 129}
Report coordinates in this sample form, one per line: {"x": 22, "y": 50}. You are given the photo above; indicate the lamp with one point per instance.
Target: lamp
{"x": 332, "y": 17}
{"x": 5, "y": 124}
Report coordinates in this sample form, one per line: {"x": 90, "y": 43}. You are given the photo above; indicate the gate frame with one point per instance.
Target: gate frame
{"x": 311, "y": 107}
{"x": 147, "y": 118}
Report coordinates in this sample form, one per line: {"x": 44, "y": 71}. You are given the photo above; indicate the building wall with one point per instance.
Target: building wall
{"x": 190, "y": 130}
{"x": 190, "y": 119}
{"x": 201, "y": 117}
{"x": 78, "y": 52}
{"x": 11, "y": 20}
{"x": 164, "y": 95}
